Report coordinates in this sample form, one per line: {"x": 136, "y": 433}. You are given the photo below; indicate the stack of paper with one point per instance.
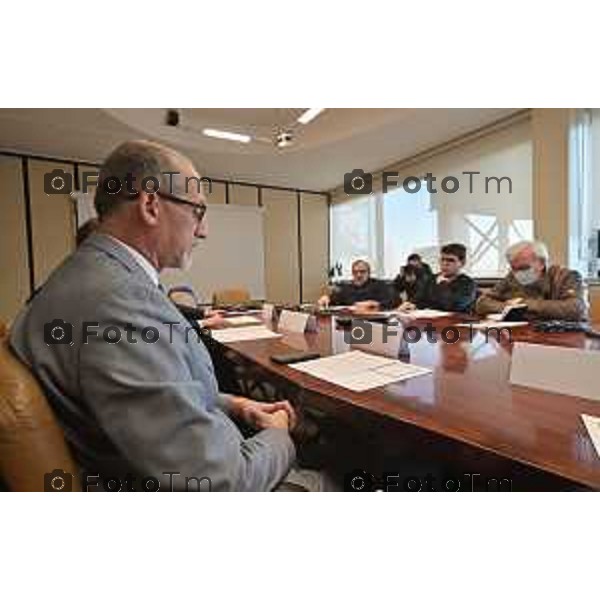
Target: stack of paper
{"x": 243, "y": 334}
{"x": 359, "y": 371}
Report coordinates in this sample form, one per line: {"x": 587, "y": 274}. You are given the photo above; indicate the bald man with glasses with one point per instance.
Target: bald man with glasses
{"x": 144, "y": 407}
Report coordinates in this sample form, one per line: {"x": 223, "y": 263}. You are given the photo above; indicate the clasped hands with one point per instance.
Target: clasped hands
{"x": 263, "y": 415}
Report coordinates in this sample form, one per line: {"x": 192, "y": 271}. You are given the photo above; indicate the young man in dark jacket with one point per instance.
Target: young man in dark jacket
{"x": 449, "y": 290}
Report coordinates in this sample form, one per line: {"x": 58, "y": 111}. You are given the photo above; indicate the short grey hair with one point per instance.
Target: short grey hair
{"x": 140, "y": 159}
{"x": 361, "y": 261}
{"x": 538, "y": 248}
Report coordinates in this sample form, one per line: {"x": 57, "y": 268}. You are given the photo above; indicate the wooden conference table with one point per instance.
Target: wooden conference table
{"x": 467, "y": 399}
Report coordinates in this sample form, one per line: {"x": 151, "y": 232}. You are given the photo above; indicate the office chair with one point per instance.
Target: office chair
{"x": 231, "y": 296}
{"x": 183, "y": 295}
{"x": 32, "y": 444}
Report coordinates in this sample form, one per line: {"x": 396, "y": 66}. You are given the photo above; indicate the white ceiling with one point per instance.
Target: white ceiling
{"x": 337, "y": 141}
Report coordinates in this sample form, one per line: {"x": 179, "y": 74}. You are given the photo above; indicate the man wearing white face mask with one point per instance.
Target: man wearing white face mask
{"x": 550, "y": 292}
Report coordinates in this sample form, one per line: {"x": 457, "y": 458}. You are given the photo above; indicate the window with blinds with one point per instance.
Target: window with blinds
{"x": 478, "y": 193}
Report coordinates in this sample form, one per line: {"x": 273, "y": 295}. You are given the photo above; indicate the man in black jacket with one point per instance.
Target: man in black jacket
{"x": 363, "y": 291}
{"x": 414, "y": 276}
{"x": 449, "y": 290}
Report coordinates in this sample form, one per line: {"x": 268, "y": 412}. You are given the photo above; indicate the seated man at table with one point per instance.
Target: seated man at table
{"x": 450, "y": 289}
{"x": 146, "y": 408}
{"x": 422, "y": 268}
{"x": 363, "y": 292}
{"x": 549, "y": 291}
{"x": 414, "y": 276}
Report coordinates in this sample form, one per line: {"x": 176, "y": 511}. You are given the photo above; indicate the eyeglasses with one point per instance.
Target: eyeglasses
{"x": 199, "y": 209}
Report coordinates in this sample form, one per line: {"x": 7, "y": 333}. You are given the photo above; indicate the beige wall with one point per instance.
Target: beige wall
{"x": 282, "y": 270}
{"x": 52, "y": 221}
{"x": 14, "y": 278}
{"x": 217, "y": 194}
{"x": 314, "y": 227}
{"x": 53, "y": 233}
{"x": 550, "y": 128}
{"x": 245, "y": 195}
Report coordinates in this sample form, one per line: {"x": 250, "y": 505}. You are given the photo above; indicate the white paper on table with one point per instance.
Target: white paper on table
{"x": 243, "y": 320}
{"x": 359, "y": 371}
{"x": 424, "y": 313}
{"x": 592, "y": 424}
{"x": 243, "y": 334}
{"x": 496, "y": 324}
{"x": 292, "y": 321}
{"x": 569, "y": 371}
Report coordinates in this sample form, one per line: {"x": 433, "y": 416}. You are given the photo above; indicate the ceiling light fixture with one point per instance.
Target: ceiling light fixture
{"x": 308, "y": 115}
{"x": 283, "y": 139}
{"x": 227, "y": 135}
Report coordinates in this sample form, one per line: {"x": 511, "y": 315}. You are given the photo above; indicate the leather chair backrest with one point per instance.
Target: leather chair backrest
{"x": 32, "y": 443}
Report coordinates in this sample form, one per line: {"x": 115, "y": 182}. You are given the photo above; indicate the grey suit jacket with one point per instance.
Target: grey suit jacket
{"x": 138, "y": 408}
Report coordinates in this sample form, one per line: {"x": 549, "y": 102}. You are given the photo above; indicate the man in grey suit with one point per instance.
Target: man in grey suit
{"x": 132, "y": 386}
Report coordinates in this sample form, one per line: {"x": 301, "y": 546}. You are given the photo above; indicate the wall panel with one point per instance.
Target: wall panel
{"x": 314, "y": 228}
{"x": 14, "y": 281}
{"x": 282, "y": 269}
{"x": 217, "y": 194}
{"x": 52, "y": 221}
{"x": 246, "y": 195}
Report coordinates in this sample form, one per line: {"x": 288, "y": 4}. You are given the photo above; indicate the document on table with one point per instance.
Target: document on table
{"x": 592, "y": 424}
{"x": 243, "y": 320}
{"x": 359, "y": 371}
{"x": 496, "y": 324}
{"x": 243, "y": 334}
{"x": 425, "y": 313}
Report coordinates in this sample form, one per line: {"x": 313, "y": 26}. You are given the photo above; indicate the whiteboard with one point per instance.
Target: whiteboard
{"x": 232, "y": 255}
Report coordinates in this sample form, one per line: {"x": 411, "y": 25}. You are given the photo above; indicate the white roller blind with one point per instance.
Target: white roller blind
{"x": 490, "y": 209}
{"x": 353, "y": 232}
